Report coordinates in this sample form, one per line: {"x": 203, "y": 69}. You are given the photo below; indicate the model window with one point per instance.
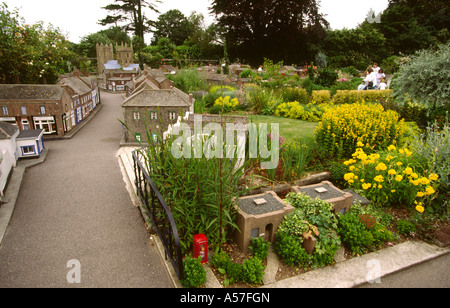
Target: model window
{"x": 42, "y": 108}
{"x": 136, "y": 115}
{"x": 5, "y": 110}
{"x": 153, "y": 115}
{"x": 172, "y": 115}
{"x": 23, "y": 109}
{"x": 28, "y": 150}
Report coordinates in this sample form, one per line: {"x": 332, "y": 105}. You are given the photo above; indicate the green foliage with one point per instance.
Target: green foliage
{"x": 248, "y": 73}
{"x": 354, "y": 234}
{"x": 289, "y": 94}
{"x": 194, "y": 273}
{"x": 326, "y": 77}
{"x": 252, "y": 270}
{"x": 295, "y": 155}
{"x": 259, "y": 248}
{"x": 406, "y": 227}
{"x": 33, "y": 54}
{"x": 189, "y": 81}
{"x": 425, "y": 78}
{"x": 199, "y": 191}
{"x": 295, "y": 110}
{"x": 432, "y": 152}
{"x": 290, "y": 250}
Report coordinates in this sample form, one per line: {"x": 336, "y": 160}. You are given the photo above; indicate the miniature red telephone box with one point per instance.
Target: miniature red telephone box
{"x": 201, "y": 248}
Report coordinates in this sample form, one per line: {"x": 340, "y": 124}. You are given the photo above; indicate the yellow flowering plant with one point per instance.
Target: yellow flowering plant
{"x": 367, "y": 126}
{"x": 390, "y": 178}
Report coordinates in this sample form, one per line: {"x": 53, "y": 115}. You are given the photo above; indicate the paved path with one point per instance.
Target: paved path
{"x": 76, "y": 206}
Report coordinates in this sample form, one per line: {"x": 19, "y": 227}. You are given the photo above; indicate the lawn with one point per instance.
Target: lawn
{"x": 289, "y": 128}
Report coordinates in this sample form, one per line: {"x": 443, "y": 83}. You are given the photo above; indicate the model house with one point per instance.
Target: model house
{"x": 8, "y": 152}
{"x": 30, "y": 143}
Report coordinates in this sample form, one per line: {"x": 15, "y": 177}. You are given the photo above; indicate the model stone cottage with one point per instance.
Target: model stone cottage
{"x": 153, "y": 104}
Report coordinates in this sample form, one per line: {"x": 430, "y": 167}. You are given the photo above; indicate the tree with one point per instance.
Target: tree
{"x": 281, "y": 30}
{"x": 31, "y": 53}
{"x": 132, "y": 13}
{"x": 412, "y": 25}
{"x": 357, "y": 47}
{"x": 172, "y": 25}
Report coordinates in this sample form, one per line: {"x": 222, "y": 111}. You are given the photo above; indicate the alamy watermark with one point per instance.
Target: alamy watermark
{"x": 74, "y": 274}
{"x": 209, "y": 141}
{"x": 374, "y": 271}
{"x": 372, "y": 18}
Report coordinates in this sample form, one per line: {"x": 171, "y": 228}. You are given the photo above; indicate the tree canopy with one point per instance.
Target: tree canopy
{"x": 279, "y": 30}
{"x": 32, "y": 53}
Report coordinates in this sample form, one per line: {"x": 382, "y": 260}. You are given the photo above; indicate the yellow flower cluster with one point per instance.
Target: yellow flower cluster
{"x": 345, "y": 127}
{"x": 227, "y": 102}
{"x": 384, "y": 179}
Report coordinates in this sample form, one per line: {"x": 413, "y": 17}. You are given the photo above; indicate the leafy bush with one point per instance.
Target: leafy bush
{"x": 290, "y": 250}
{"x": 194, "y": 273}
{"x": 316, "y": 218}
{"x": 355, "y": 96}
{"x": 321, "y": 97}
{"x": 295, "y": 94}
{"x": 342, "y": 127}
{"x": 354, "y": 234}
{"x": 295, "y": 156}
{"x": 425, "y": 78}
{"x": 326, "y": 77}
{"x": 295, "y": 110}
{"x": 259, "y": 248}
{"x": 390, "y": 178}
{"x": 432, "y": 150}
{"x": 247, "y": 73}
{"x": 406, "y": 227}
{"x": 252, "y": 270}
{"x": 189, "y": 81}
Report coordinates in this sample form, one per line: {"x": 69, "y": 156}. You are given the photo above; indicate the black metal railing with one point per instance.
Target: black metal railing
{"x": 159, "y": 213}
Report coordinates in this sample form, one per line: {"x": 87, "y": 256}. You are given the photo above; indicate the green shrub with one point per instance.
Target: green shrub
{"x": 247, "y": 73}
{"x": 252, "y": 270}
{"x": 295, "y": 110}
{"x": 194, "y": 273}
{"x": 406, "y": 227}
{"x": 321, "y": 97}
{"x": 353, "y": 233}
{"x": 326, "y": 77}
{"x": 259, "y": 248}
{"x": 425, "y": 78}
{"x": 357, "y": 96}
{"x": 295, "y": 94}
{"x": 290, "y": 250}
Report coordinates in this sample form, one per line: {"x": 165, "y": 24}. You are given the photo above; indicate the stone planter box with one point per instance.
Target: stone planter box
{"x": 259, "y": 220}
{"x": 341, "y": 200}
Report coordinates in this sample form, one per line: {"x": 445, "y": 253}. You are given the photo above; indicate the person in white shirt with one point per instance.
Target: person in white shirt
{"x": 371, "y": 79}
{"x": 380, "y": 75}
{"x": 375, "y": 67}
{"x": 383, "y": 84}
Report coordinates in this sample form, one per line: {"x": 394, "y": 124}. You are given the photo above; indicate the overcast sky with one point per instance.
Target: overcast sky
{"x": 78, "y": 18}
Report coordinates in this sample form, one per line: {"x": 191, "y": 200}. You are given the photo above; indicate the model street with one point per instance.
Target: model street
{"x": 74, "y": 220}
